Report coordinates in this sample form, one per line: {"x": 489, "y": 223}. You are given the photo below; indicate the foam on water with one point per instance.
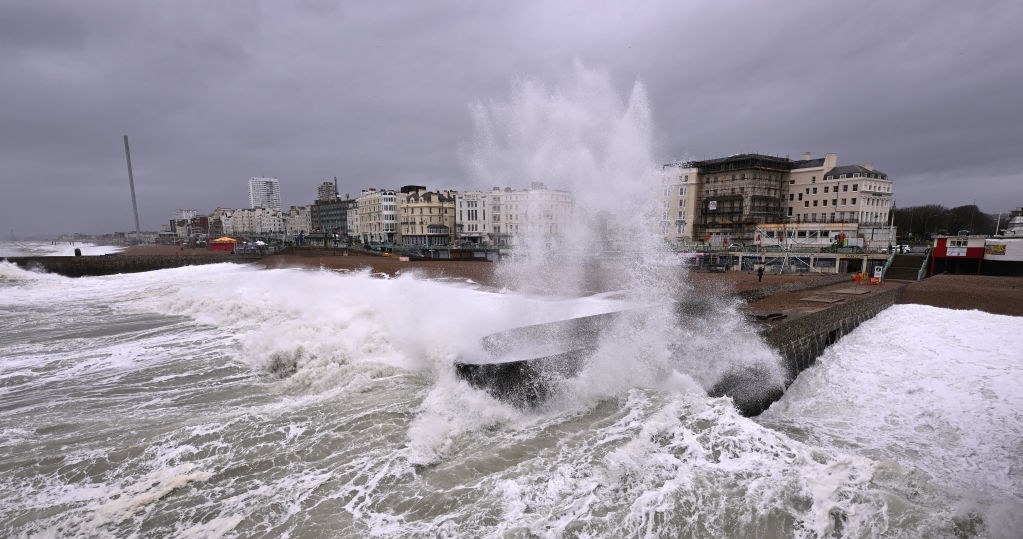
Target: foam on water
{"x": 931, "y": 394}
{"x": 179, "y": 428}
{"x": 59, "y": 248}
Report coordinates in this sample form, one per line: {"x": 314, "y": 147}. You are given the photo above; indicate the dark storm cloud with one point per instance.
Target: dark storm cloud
{"x": 377, "y": 93}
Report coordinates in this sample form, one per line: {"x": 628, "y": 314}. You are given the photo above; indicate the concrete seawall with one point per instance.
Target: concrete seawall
{"x": 84, "y": 266}
{"x": 800, "y": 322}
{"x": 801, "y": 340}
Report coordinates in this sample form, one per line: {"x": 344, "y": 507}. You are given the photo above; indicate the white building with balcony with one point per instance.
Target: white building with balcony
{"x": 508, "y": 218}
{"x": 377, "y": 220}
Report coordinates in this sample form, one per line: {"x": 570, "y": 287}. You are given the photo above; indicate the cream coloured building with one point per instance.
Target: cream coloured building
{"x": 377, "y": 220}
{"x": 680, "y": 196}
{"x": 426, "y": 218}
{"x": 821, "y": 192}
{"x": 298, "y": 219}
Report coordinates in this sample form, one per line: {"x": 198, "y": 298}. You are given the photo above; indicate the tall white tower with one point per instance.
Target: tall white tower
{"x": 265, "y": 193}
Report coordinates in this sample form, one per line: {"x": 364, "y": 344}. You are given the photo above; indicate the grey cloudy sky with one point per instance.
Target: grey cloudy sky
{"x": 378, "y": 93}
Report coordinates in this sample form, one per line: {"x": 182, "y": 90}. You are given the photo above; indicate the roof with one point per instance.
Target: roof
{"x": 849, "y": 170}
{"x": 808, "y": 163}
{"x": 224, "y": 239}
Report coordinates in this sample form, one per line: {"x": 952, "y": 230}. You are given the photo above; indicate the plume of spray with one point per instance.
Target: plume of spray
{"x": 580, "y": 136}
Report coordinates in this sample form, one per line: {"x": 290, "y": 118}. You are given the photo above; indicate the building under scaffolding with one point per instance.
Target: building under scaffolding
{"x": 739, "y": 193}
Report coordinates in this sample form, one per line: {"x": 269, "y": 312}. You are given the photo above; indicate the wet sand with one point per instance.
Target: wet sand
{"x": 996, "y": 295}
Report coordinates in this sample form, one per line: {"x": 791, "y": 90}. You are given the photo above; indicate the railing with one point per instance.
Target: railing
{"x": 922, "y": 272}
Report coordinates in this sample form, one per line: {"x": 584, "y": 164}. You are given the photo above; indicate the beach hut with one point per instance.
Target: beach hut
{"x": 223, "y": 244}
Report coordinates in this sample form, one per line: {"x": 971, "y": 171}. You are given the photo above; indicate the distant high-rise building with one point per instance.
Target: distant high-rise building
{"x": 265, "y": 193}
{"x": 327, "y": 191}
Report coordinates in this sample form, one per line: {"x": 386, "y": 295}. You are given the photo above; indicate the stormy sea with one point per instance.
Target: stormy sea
{"x": 155, "y": 405}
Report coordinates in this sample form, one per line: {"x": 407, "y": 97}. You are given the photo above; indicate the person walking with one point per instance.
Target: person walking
{"x": 760, "y": 274}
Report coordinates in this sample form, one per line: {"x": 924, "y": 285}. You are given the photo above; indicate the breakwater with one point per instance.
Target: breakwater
{"x": 84, "y": 266}
{"x": 799, "y": 320}
{"x": 801, "y": 340}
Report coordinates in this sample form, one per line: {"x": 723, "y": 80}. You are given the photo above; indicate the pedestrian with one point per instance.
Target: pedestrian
{"x": 760, "y": 274}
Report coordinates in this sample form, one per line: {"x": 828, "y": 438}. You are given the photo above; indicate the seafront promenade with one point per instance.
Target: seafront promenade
{"x": 997, "y": 295}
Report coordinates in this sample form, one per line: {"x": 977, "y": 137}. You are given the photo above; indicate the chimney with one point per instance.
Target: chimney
{"x": 806, "y": 156}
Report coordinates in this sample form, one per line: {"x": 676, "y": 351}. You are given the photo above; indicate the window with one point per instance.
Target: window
{"x": 790, "y": 211}
{"x": 815, "y": 190}
{"x": 854, "y": 202}
{"x": 791, "y": 197}
{"x": 825, "y": 188}
{"x": 856, "y": 187}
{"x": 834, "y": 202}
{"x": 824, "y": 202}
{"x": 814, "y": 203}
{"x": 806, "y": 203}
{"x": 845, "y": 188}
{"x": 843, "y": 202}
{"x": 800, "y": 196}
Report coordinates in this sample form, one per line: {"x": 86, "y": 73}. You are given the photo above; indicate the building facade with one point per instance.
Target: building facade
{"x": 297, "y": 219}
{"x": 507, "y": 218}
{"x": 332, "y": 216}
{"x": 762, "y": 200}
{"x": 265, "y": 193}
{"x": 377, "y": 220}
{"x": 327, "y": 191}
{"x": 680, "y": 195}
{"x": 740, "y": 193}
{"x": 426, "y": 219}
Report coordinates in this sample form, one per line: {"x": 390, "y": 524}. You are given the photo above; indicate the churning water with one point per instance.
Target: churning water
{"x": 146, "y": 404}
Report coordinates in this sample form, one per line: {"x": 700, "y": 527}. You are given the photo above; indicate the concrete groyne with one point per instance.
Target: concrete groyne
{"x": 801, "y": 340}
{"x": 799, "y": 320}
{"x": 84, "y": 266}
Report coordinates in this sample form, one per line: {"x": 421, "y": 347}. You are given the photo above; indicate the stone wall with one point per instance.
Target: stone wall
{"x": 801, "y": 340}
{"x": 82, "y": 266}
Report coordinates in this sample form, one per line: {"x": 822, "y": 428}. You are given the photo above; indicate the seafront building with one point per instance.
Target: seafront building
{"x": 297, "y": 219}
{"x": 265, "y": 193}
{"x": 257, "y": 221}
{"x": 426, "y": 218}
{"x": 753, "y": 200}
{"x": 332, "y": 216}
{"x": 505, "y": 218}
{"x": 743, "y": 201}
{"x": 377, "y": 211}
{"x": 738, "y": 194}
{"x": 679, "y": 184}
{"x": 327, "y": 191}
